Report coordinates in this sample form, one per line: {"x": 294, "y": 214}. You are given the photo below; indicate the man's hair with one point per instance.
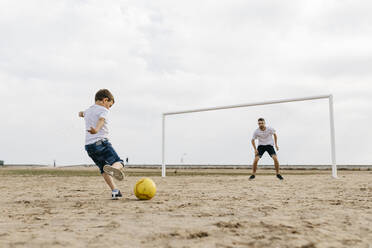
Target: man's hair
{"x": 261, "y": 119}
{"x": 104, "y": 93}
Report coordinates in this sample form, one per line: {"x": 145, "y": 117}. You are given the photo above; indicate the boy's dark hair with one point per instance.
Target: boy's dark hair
{"x": 261, "y": 119}
{"x": 104, "y": 93}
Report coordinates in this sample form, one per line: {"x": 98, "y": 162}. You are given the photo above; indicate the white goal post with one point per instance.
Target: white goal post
{"x": 331, "y": 117}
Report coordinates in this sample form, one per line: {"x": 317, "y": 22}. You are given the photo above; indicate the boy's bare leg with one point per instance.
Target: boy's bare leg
{"x": 109, "y": 181}
{"x": 276, "y": 163}
{"x": 255, "y": 162}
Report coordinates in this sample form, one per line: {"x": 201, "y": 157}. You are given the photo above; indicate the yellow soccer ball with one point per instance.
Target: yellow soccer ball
{"x": 145, "y": 189}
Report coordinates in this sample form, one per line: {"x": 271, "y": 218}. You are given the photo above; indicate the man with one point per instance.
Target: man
{"x": 265, "y": 144}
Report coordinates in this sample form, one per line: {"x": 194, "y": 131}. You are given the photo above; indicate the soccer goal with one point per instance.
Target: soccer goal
{"x": 331, "y": 118}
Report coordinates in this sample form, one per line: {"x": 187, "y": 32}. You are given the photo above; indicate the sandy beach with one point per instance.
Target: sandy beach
{"x": 305, "y": 210}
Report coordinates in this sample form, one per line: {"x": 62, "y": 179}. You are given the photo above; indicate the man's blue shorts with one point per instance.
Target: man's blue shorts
{"x": 102, "y": 154}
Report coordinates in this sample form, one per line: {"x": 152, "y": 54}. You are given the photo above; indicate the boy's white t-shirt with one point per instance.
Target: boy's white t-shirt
{"x": 264, "y": 137}
{"x": 91, "y": 117}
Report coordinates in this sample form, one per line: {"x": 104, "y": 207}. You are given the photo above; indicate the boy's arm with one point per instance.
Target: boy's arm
{"x": 81, "y": 114}
{"x": 100, "y": 123}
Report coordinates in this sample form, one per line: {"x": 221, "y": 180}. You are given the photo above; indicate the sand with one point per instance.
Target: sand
{"x": 189, "y": 211}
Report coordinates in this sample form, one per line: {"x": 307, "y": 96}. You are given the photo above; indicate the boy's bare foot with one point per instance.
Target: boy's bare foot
{"x": 118, "y": 174}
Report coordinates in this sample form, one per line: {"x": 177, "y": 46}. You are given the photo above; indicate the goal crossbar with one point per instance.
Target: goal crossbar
{"x": 331, "y": 117}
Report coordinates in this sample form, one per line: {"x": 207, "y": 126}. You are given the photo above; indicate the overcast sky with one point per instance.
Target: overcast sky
{"x": 159, "y": 56}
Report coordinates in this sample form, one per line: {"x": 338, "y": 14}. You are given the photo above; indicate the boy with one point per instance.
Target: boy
{"x": 97, "y": 144}
{"x": 265, "y": 144}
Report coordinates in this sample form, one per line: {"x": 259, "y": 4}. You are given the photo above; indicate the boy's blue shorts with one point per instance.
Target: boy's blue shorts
{"x": 102, "y": 154}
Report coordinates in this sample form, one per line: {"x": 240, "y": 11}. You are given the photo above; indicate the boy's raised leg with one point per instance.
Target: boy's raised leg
{"x": 116, "y": 170}
{"x": 118, "y": 165}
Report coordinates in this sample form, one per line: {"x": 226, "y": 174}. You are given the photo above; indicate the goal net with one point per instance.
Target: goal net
{"x": 184, "y": 156}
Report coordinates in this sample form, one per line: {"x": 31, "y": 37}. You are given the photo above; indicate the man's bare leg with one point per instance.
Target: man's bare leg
{"x": 109, "y": 181}
{"x": 276, "y": 163}
{"x": 254, "y": 167}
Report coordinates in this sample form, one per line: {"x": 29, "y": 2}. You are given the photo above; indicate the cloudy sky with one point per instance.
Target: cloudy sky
{"x": 159, "y": 56}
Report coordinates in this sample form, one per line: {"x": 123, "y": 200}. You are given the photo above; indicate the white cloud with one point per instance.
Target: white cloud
{"x": 164, "y": 55}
